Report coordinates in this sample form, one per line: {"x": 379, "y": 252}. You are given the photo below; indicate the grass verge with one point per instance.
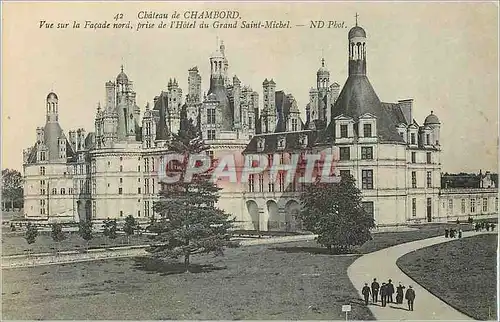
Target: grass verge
{"x": 462, "y": 273}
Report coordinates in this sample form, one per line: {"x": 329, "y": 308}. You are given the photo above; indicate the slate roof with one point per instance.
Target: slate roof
{"x": 52, "y": 132}
{"x": 357, "y": 98}
{"x": 161, "y": 105}
{"x": 283, "y": 105}
{"x": 395, "y": 112}
{"x": 291, "y": 142}
{"x": 219, "y": 90}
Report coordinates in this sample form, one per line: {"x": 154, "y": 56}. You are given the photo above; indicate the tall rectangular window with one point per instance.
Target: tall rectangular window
{"x": 281, "y": 182}
{"x": 211, "y": 116}
{"x": 429, "y": 179}
{"x": 473, "y": 205}
{"x": 485, "y": 204}
{"x": 146, "y": 208}
{"x": 414, "y": 207}
{"x": 429, "y": 157}
{"x": 94, "y": 186}
{"x": 450, "y": 205}
{"x": 367, "y": 179}
{"x": 120, "y": 190}
{"x": 367, "y": 130}
{"x": 412, "y": 138}
{"x": 294, "y": 125}
{"x": 210, "y": 134}
{"x": 42, "y": 206}
{"x": 414, "y": 157}
{"x": 367, "y": 153}
{"x": 463, "y": 206}
{"x": 251, "y": 182}
{"x": 146, "y": 186}
{"x": 413, "y": 179}
{"x": 42, "y": 171}
{"x": 270, "y": 184}
{"x": 261, "y": 182}
{"x": 250, "y": 123}
{"x": 428, "y": 139}
{"x": 368, "y": 207}
{"x": 343, "y": 131}
{"x": 345, "y": 153}
{"x": 496, "y": 204}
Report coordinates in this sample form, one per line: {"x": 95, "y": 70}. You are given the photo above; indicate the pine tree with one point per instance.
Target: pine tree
{"x": 334, "y": 212}
{"x": 189, "y": 222}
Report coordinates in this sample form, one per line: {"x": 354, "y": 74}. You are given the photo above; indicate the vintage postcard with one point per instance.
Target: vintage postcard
{"x": 249, "y": 160}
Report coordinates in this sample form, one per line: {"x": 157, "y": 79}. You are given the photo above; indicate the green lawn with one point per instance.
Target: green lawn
{"x": 16, "y": 243}
{"x": 297, "y": 280}
{"x": 461, "y": 273}
{"x": 255, "y": 282}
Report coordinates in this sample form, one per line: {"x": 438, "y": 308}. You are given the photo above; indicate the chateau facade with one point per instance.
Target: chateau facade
{"x": 112, "y": 172}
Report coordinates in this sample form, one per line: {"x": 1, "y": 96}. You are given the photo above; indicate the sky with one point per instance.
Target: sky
{"x": 443, "y": 55}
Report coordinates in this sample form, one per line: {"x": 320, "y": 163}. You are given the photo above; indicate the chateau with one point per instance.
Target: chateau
{"x": 112, "y": 172}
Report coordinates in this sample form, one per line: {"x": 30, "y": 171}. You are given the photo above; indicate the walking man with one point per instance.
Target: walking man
{"x": 383, "y": 295}
{"x": 366, "y": 293}
{"x": 375, "y": 288}
{"x": 390, "y": 291}
{"x": 399, "y": 293}
{"x": 410, "y": 296}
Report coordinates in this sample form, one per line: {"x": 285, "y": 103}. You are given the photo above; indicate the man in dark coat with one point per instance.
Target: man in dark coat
{"x": 375, "y": 288}
{"x": 399, "y": 293}
{"x": 410, "y": 296}
{"x": 383, "y": 294}
{"x": 366, "y": 293}
{"x": 390, "y": 291}
{"x": 446, "y": 232}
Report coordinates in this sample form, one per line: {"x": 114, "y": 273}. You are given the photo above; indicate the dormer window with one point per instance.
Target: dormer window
{"x": 281, "y": 143}
{"x": 367, "y": 130}
{"x": 412, "y": 138}
{"x": 343, "y": 130}
{"x": 260, "y": 145}
{"x": 303, "y": 141}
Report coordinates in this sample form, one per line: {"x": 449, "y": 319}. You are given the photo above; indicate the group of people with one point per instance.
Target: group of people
{"x": 452, "y": 233}
{"x": 387, "y": 291}
{"x": 484, "y": 225}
